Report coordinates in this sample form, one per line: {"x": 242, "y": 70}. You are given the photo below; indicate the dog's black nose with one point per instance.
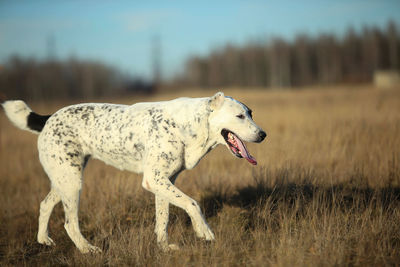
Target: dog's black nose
{"x": 262, "y": 135}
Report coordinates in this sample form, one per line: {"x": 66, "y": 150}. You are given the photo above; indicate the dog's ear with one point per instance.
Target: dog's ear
{"x": 216, "y": 101}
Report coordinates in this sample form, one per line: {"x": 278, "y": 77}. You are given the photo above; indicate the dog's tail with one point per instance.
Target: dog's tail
{"x": 23, "y": 117}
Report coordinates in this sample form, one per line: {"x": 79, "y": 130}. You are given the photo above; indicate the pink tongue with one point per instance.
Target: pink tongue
{"x": 244, "y": 151}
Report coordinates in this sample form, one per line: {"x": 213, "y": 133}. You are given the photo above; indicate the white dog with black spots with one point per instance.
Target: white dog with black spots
{"x": 158, "y": 139}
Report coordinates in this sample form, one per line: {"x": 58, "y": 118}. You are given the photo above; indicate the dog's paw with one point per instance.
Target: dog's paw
{"x": 208, "y": 235}
{"x": 46, "y": 241}
{"x": 94, "y": 249}
{"x": 90, "y": 249}
{"x": 164, "y": 246}
{"x": 203, "y": 231}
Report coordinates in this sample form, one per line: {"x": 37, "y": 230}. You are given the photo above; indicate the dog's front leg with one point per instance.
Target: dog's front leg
{"x": 161, "y": 228}
{"x": 158, "y": 183}
{"x": 162, "y": 217}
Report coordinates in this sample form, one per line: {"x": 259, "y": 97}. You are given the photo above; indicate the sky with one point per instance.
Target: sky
{"x": 121, "y": 33}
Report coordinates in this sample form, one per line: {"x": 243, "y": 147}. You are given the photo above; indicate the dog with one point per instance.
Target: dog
{"x": 157, "y": 139}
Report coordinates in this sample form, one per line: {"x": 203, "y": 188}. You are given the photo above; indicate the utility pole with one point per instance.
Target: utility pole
{"x": 156, "y": 60}
{"x": 51, "y": 47}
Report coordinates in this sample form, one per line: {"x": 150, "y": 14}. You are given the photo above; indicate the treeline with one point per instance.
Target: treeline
{"x": 70, "y": 79}
{"x": 325, "y": 59}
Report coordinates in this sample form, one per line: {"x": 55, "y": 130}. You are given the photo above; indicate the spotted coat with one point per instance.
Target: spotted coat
{"x": 158, "y": 139}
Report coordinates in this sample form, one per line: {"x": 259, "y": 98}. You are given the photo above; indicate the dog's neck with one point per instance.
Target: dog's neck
{"x": 202, "y": 139}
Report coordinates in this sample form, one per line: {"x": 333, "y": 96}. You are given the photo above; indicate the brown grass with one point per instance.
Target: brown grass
{"x": 326, "y": 191}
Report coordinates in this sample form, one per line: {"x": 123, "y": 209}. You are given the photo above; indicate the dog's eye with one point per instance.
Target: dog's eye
{"x": 240, "y": 116}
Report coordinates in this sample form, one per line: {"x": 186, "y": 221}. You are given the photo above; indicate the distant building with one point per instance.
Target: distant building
{"x": 386, "y": 79}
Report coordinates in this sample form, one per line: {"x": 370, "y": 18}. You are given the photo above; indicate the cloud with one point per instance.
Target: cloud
{"x": 144, "y": 20}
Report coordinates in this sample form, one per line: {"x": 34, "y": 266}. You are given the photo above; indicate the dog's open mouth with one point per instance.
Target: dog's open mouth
{"x": 237, "y": 147}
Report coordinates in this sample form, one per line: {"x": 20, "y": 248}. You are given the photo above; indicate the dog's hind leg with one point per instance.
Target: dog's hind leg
{"x": 70, "y": 200}
{"x": 65, "y": 173}
{"x": 46, "y": 207}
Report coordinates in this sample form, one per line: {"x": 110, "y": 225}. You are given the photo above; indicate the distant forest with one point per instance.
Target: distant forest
{"x": 28, "y": 78}
{"x": 324, "y": 59}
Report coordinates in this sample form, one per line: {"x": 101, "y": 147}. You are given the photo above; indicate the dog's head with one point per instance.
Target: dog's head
{"x": 234, "y": 123}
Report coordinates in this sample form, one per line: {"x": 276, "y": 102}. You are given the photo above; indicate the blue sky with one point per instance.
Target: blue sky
{"x": 120, "y": 32}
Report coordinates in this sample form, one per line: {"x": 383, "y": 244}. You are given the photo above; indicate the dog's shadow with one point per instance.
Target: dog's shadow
{"x": 349, "y": 196}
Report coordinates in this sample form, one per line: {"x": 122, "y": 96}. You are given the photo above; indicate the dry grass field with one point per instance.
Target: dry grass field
{"x": 326, "y": 191}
